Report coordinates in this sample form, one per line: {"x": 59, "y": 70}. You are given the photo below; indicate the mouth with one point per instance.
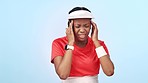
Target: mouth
{"x": 81, "y": 36}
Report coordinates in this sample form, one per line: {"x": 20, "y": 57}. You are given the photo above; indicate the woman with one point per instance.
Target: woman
{"x": 77, "y": 57}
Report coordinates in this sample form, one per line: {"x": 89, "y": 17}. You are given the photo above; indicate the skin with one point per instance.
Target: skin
{"x": 79, "y": 36}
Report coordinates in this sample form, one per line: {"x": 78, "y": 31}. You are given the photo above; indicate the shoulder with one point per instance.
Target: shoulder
{"x": 61, "y": 40}
{"x": 101, "y": 41}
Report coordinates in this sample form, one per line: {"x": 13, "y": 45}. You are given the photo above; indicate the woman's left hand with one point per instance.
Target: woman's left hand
{"x": 94, "y": 34}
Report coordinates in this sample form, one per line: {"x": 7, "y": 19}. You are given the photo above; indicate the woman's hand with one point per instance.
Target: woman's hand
{"x": 94, "y": 34}
{"x": 70, "y": 34}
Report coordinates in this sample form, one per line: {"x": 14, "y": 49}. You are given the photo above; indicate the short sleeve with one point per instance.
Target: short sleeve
{"x": 57, "y": 50}
{"x": 104, "y": 46}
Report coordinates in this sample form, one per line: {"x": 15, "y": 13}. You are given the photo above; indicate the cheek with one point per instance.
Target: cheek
{"x": 88, "y": 30}
{"x": 75, "y": 30}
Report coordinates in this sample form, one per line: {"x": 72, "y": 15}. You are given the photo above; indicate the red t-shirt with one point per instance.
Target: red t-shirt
{"x": 84, "y": 60}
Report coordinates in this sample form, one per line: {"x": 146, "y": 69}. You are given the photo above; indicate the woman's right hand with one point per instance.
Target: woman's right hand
{"x": 70, "y": 34}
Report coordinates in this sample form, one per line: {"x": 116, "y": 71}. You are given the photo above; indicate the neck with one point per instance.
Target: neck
{"x": 81, "y": 43}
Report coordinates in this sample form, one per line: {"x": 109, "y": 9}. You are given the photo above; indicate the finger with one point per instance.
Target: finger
{"x": 68, "y": 31}
{"x": 92, "y": 30}
{"x": 94, "y": 26}
{"x": 71, "y": 23}
{"x": 71, "y": 26}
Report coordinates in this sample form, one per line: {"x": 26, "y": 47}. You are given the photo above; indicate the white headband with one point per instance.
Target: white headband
{"x": 80, "y": 14}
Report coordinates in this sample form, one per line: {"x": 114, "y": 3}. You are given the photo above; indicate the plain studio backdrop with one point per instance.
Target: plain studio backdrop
{"x": 28, "y": 27}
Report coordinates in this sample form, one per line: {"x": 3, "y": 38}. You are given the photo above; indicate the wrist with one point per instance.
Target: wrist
{"x": 69, "y": 47}
{"x": 71, "y": 43}
{"x": 100, "y": 51}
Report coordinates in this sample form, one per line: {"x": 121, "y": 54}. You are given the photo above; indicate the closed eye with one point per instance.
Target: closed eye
{"x": 86, "y": 26}
{"x": 78, "y": 26}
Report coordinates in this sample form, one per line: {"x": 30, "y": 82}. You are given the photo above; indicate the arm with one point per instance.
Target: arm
{"x": 105, "y": 61}
{"x": 107, "y": 65}
{"x": 63, "y": 64}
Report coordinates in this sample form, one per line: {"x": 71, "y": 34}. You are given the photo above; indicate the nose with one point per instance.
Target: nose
{"x": 82, "y": 30}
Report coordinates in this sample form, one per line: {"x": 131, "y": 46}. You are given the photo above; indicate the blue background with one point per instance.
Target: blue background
{"x": 28, "y": 27}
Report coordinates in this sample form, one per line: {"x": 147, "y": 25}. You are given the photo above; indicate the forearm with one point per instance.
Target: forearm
{"x": 64, "y": 67}
{"x": 107, "y": 65}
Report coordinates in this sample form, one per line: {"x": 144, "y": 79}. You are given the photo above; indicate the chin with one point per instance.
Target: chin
{"x": 82, "y": 39}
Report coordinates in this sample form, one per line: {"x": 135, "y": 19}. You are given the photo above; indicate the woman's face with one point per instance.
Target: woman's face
{"x": 81, "y": 29}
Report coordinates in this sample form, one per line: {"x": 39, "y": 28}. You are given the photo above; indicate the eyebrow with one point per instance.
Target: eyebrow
{"x": 83, "y": 24}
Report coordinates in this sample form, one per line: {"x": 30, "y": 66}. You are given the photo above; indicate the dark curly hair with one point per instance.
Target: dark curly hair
{"x": 78, "y": 8}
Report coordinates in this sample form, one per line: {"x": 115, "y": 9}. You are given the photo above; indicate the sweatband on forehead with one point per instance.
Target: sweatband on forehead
{"x": 80, "y": 14}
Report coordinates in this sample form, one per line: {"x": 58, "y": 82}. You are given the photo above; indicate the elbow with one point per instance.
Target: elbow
{"x": 63, "y": 76}
{"x": 109, "y": 73}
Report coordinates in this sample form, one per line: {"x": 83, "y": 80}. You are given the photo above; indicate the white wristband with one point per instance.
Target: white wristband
{"x": 100, "y": 51}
